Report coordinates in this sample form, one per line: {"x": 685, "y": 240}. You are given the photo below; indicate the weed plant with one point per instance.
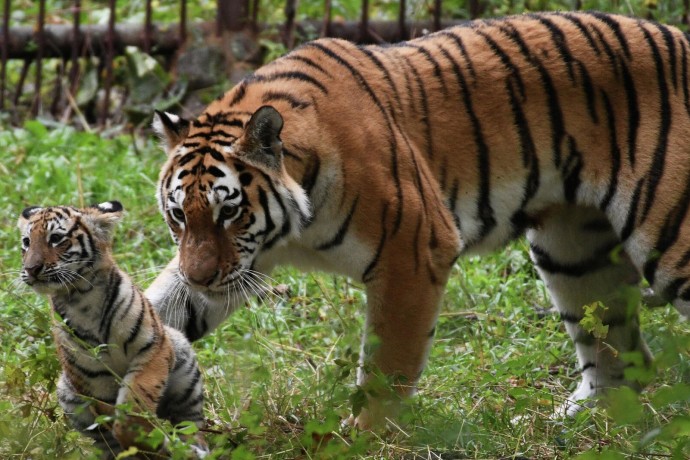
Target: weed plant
{"x": 280, "y": 373}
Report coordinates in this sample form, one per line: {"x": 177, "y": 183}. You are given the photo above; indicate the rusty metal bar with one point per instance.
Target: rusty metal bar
{"x": 164, "y": 40}
{"x": 437, "y": 15}
{"x": 5, "y": 49}
{"x": 40, "y": 40}
{"x": 290, "y": 12}
{"x": 326, "y": 30}
{"x": 183, "y": 22}
{"x": 57, "y": 88}
{"x": 255, "y": 15}
{"x": 147, "y": 27}
{"x": 364, "y": 22}
{"x": 231, "y": 15}
{"x": 22, "y": 78}
{"x": 74, "y": 59}
{"x": 402, "y": 26}
{"x": 110, "y": 55}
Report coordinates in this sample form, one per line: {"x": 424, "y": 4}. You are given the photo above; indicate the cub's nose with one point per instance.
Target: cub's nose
{"x": 33, "y": 270}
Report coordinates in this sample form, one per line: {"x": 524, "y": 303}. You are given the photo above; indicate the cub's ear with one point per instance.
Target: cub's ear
{"x": 26, "y": 214}
{"x": 102, "y": 217}
{"x": 170, "y": 128}
{"x": 261, "y": 142}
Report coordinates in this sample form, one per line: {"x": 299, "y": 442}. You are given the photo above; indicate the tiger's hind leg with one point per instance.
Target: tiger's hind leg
{"x": 573, "y": 250}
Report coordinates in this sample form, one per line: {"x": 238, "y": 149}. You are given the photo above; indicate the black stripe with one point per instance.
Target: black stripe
{"x": 527, "y": 147}
{"x": 295, "y": 103}
{"x": 361, "y": 81}
{"x": 588, "y": 365}
{"x": 658, "y": 162}
{"x": 575, "y": 20}
{"x": 135, "y": 331}
{"x": 633, "y": 115}
{"x": 615, "y": 28}
{"x": 290, "y": 76}
{"x": 438, "y": 73}
{"x": 214, "y": 171}
{"x": 671, "y": 46}
{"x": 190, "y": 330}
{"x": 597, "y": 226}
{"x": 615, "y": 153}
{"x": 599, "y": 260}
{"x": 379, "y": 249}
{"x": 588, "y": 87}
{"x": 307, "y": 61}
{"x": 631, "y": 219}
{"x": 263, "y": 201}
{"x": 240, "y": 91}
{"x": 484, "y": 210}
{"x": 555, "y": 113}
{"x": 463, "y": 51}
{"x": 337, "y": 240}
{"x": 112, "y": 292}
{"x": 386, "y": 75}
{"x": 613, "y": 59}
{"x": 684, "y": 75}
{"x": 559, "y": 42}
{"x": 572, "y": 166}
{"x": 513, "y": 70}
{"x": 669, "y": 232}
{"x": 428, "y": 138}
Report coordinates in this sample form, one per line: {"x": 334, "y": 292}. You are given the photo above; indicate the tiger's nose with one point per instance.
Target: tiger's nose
{"x": 201, "y": 279}
{"x": 33, "y": 270}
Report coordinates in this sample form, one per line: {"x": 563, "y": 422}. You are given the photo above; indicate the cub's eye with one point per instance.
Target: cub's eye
{"x": 177, "y": 214}
{"x": 26, "y": 241}
{"x": 55, "y": 238}
{"x": 228, "y": 212}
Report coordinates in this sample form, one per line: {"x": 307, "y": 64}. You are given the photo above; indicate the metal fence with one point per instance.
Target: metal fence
{"x": 71, "y": 44}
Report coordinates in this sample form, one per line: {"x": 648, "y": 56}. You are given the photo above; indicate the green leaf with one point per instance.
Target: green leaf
{"x": 358, "y": 400}
{"x": 623, "y": 405}
{"x": 668, "y": 395}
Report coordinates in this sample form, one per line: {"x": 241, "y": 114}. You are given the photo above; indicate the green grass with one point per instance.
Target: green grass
{"x": 280, "y": 374}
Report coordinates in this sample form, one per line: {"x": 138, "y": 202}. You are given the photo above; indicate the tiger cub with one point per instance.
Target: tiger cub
{"x": 112, "y": 345}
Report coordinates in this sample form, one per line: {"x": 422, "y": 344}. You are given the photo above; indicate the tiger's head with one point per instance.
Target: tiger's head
{"x": 226, "y": 195}
{"x": 61, "y": 244}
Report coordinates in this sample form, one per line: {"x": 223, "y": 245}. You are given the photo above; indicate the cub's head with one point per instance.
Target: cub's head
{"x": 61, "y": 244}
{"x": 225, "y": 194}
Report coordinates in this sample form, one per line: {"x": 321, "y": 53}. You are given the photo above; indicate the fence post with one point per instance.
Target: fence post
{"x": 5, "y": 48}
{"x": 232, "y": 15}
{"x": 290, "y": 12}
{"x": 40, "y": 39}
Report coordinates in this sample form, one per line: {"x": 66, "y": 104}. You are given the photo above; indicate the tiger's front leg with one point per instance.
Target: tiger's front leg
{"x": 403, "y": 303}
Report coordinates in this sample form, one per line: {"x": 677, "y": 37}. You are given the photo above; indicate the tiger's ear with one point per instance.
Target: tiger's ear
{"x": 102, "y": 217}
{"x": 170, "y": 128}
{"x": 25, "y": 215}
{"x": 261, "y": 142}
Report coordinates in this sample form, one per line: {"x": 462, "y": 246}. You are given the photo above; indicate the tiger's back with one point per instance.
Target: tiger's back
{"x": 570, "y": 127}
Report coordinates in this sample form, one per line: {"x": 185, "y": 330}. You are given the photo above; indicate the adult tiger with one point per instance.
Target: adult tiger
{"x": 385, "y": 163}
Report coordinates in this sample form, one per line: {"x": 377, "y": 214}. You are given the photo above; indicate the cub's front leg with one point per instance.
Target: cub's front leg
{"x": 142, "y": 388}
{"x": 82, "y": 415}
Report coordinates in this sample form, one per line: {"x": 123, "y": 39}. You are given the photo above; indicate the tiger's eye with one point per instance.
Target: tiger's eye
{"x": 228, "y": 212}
{"x": 178, "y": 214}
{"x": 55, "y": 238}
{"x": 26, "y": 241}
